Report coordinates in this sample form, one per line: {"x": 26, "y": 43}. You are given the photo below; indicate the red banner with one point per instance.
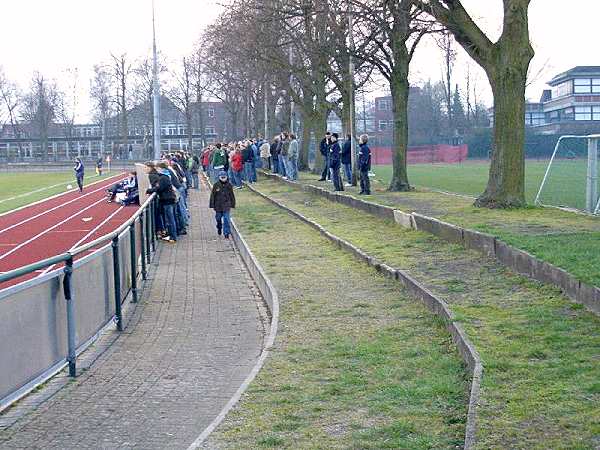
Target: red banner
{"x": 424, "y": 154}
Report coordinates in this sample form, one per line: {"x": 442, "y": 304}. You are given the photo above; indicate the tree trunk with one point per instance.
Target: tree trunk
{"x": 320, "y": 128}
{"x": 190, "y": 130}
{"x": 399, "y": 87}
{"x": 506, "y": 183}
{"x": 307, "y": 127}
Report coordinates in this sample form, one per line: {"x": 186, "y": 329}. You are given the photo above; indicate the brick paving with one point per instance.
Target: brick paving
{"x": 189, "y": 344}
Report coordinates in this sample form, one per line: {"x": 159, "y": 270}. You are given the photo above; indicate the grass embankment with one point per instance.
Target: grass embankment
{"x": 568, "y": 240}
{"x": 37, "y": 186}
{"x": 540, "y": 351}
{"x": 356, "y": 364}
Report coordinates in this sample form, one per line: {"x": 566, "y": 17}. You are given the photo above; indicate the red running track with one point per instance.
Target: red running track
{"x": 56, "y": 225}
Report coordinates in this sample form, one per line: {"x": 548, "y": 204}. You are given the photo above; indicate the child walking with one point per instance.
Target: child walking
{"x": 222, "y": 200}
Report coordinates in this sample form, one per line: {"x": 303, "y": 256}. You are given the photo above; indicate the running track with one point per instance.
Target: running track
{"x": 56, "y": 225}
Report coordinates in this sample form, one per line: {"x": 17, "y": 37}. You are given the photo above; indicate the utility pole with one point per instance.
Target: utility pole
{"x": 352, "y": 106}
{"x": 155, "y": 92}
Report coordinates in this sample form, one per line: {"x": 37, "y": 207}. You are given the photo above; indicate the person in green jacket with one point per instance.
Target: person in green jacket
{"x": 292, "y": 159}
{"x": 219, "y": 160}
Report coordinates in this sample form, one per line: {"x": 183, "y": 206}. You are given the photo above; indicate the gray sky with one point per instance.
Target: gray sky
{"x": 54, "y": 35}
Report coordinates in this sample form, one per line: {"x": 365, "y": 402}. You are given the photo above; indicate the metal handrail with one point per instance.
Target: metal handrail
{"x": 26, "y": 270}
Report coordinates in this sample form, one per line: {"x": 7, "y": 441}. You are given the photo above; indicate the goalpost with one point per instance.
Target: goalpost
{"x": 571, "y": 178}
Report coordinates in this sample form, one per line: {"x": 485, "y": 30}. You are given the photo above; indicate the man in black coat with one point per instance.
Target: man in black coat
{"x": 364, "y": 165}
{"x": 324, "y": 149}
{"x": 335, "y": 162}
{"x": 222, "y": 200}
{"x": 347, "y": 159}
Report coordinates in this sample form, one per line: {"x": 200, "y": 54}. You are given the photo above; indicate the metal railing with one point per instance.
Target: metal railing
{"x": 145, "y": 216}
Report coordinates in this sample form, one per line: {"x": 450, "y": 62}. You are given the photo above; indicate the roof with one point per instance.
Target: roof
{"x": 574, "y": 72}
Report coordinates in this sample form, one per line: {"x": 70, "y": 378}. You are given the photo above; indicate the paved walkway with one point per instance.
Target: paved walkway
{"x": 188, "y": 346}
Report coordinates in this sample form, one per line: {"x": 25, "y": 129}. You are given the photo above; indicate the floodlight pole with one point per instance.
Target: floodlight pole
{"x": 351, "y": 97}
{"x": 155, "y": 92}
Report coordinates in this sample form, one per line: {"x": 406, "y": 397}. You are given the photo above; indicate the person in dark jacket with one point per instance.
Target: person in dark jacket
{"x": 347, "y": 159}
{"x": 222, "y": 200}
{"x": 364, "y": 165}
{"x": 162, "y": 186}
{"x": 194, "y": 169}
{"x": 335, "y": 162}
{"x": 79, "y": 173}
{"x": 275, "y": 155}
{"x": 324, "y": 149}
{"x": 248, "y": 158}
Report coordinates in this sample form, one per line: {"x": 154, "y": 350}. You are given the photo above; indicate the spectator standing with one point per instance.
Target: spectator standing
{"x": 194, "y": 170}
{"x": 248, "y": 158}
{"x": 222, "y": 200}
{"x": 265, "y": 153}
{"x": 99, "y": 164}
{"x": 347, "y": 160}
{"x": 324, "y": 149}
{"x": 219, "y": 160}
{"x": 283, "y": 155}
{"x": 275, "y": 155}
{"x": 335, "y": 162}
{"x": 167, "y": 199}
{"x": 237, "y": 166}
{"x": 79, "y": 173}
{"x": 293, "y": 153}
{"x": 364, "y": 165}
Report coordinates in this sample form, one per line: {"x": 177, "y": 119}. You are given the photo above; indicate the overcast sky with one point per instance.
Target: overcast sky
{"x": 52, "y": 36}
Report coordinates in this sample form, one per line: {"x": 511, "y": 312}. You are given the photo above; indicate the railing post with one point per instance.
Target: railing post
{"x": 133, "y": 254}
{"x": 144, "y": 242}
{"x": 148, "y": 235}
{"x": 592, "y": 176}
{"x": 71, "y": 356}
{"x": 154, "y": 212}
{"x": 117, "y": 275}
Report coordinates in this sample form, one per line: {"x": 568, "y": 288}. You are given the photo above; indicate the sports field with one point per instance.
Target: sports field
{"x": 565, "y": 185}
{"x": 22, "y": 188}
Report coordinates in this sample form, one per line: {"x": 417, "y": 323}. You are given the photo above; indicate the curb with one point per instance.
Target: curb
{"x": 272, "y": 299}
{"x": 520, "y": 261}
{"x": 436, "y": 305}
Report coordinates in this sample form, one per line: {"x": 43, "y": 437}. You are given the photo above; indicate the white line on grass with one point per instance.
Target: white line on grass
{"x": 22, "y": 244}
{"x": 83, "y": 239}
{"x": 26, "y": 194}
{"x": 51, "y": 209}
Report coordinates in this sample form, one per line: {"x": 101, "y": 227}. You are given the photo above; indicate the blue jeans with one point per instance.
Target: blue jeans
{"x": 274, "y": 165}
{"x": 248, "y": 172}
{"x": 348, "y": 172}
{"x": 236, "y": 178}
{"x": 337, "y": 179}
{"x": 169, "y": 211}
{"x": 292, "y": 168}
{"x": 283, "y": 165}
{"x": 253, "y": 171}
{"x": 222, "y": 218}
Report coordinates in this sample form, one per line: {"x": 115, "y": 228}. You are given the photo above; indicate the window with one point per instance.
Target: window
{"x": 587, "y": 85}
{"x": 583, "y": 113}
{"x": 210, "y": 130}
{"x": 210, "y": 112}
{"x": 211, "y": 140}
{"x": 562, "y": 89}
{"x": 384, "y": 104}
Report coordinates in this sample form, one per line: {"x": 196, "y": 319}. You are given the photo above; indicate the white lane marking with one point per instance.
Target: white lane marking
{"x": 22, "y": 244}
{"x": 83, "y": 239}
{"x": 27, "y": 194}
{"x": 87, "y": 219}
{"x": 52, "y": 209}
{"x": 69, "y": 231}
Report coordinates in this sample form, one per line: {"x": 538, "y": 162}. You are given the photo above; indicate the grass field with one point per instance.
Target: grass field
{"x": 565, "y": 185}
{"x": 540, "y": 386}
{"x": 21, "y": 188}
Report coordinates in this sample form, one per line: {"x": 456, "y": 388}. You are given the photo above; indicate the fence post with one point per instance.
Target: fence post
{"x": 117, "y": 275}
{"x": 144, "y": 242}
{"x": 153, "y": 211}
{"x": 133, "y": 253}
{"x": 148, "y": 235}
{"x": 71, "y": 356}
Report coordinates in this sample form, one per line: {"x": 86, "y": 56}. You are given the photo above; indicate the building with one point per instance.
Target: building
{"x": 211, "y": 123}
{"x": 570, "y": 106}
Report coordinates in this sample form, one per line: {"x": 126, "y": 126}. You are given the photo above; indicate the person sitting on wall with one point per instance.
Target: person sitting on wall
{"x": 129, "y": 187}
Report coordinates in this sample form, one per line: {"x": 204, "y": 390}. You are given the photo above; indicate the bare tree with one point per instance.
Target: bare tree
{"x": 445, "y": 43}
{"x": 182, "y": 95}
{"x": 101, "y": 90}
{"x": 11, "y": 100}
{"x": 121, "y": 72}
{"x": 67, "y": 106}
{"x": 506, "y": 63}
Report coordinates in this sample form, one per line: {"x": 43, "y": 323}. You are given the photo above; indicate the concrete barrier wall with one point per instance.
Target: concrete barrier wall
{"x": 33, "y": 337}
{"x": 517, "y": 260}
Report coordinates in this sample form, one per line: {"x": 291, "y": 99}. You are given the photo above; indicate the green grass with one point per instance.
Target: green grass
{"x": 539, "y": 350}
{"x": 565, "y": 239}
{"x": 17, "y": 184}
{"x": 566, "y": 183}
{"x": 356, "y": 363}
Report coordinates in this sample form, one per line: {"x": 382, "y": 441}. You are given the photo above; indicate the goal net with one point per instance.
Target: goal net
{"x": 571, "y": 177}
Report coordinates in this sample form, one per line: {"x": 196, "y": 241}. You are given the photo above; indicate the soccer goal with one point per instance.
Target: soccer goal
{"x": 571, "y": 178}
